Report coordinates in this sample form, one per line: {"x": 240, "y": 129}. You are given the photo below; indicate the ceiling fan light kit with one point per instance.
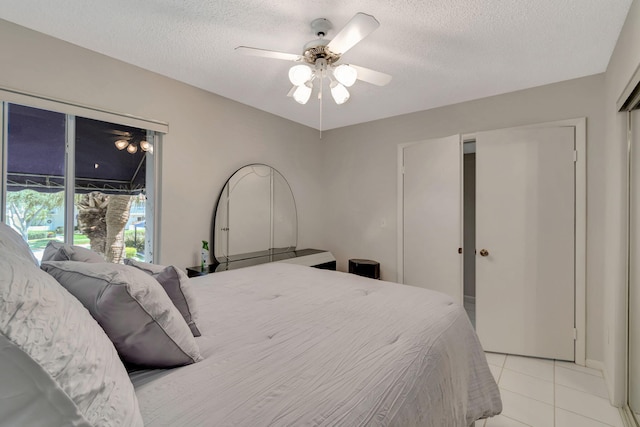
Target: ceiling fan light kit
{"x": 121, "y": 144}
{"x": 340, "y": 77}
{"x": 300, "y": 74}
{"x": 339, "y": 93}
{"x": 131, "y": 147}
{"x": 144, "y": 144}
{"x": 302, "y": 93}
{"x": 345, "y": 74}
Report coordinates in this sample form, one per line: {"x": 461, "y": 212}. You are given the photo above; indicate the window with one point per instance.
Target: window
{"x": 35, "y": 174}
{"x": 78, "y": 180}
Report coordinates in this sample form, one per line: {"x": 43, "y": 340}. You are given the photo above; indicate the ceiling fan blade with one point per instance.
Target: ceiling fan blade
{"x": 253, "y": 51}
{"x": 360, "y": 26}
{"x": 371, "y": 76}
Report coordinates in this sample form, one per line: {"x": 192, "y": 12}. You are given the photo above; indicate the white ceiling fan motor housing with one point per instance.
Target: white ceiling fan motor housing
{"x": 321, "y": 26}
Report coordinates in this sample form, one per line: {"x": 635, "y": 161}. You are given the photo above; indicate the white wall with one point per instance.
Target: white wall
{"x": 209, "y": 136}
{"x": 623, "y": 63}
{"x": 360, "y": 172}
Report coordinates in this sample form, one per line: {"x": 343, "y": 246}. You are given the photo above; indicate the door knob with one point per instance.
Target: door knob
{"x": 484, "y": 252}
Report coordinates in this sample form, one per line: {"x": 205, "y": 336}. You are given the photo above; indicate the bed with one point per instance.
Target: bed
{"x": 279, "y": 345}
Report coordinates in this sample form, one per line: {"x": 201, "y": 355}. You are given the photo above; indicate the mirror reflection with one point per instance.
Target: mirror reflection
{"x": 255, "y": 215}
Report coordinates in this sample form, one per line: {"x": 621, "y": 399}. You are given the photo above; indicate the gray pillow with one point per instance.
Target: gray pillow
{"x": 176, "y": 284}
{"x": 133, "y": 309}
{"x": 59, "y": 251}
{"x": 147, "y": 267}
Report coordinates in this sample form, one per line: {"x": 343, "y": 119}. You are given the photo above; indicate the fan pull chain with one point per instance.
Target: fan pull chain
{"x": 320, "y": 96}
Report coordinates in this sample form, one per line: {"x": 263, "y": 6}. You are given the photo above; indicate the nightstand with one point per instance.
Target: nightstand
{"x": 199, "y": 271}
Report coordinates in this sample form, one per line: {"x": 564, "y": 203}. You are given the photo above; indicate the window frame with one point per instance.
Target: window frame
{"x": 155, "y": 129}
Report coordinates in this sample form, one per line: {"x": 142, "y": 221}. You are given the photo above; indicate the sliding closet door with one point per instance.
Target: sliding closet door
{"x": 432, "y": 230}
{"x": 525, "y": 237}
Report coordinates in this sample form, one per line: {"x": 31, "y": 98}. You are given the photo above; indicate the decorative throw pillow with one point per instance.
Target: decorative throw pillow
{"x": 10, "y": 238}
{"x": 176, "y": 284}
{"x": 59, "y": 251}
{"x": 147, "y": 267}
{"x": 57, "y": 366}
{"x": 133, "y": 309}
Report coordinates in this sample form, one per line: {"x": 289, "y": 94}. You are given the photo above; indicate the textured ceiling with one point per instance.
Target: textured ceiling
{"x": 438, "y": 52}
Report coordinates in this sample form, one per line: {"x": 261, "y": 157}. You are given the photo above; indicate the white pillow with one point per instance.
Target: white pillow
{"x": 13, "y": 242}
{"x": 24, "y": 400}
{"x": 133, "y": 309}
{"x": 54, "y": 352}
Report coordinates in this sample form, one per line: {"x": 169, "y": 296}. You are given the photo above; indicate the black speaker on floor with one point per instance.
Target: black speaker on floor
{"x": 365, "y": 267}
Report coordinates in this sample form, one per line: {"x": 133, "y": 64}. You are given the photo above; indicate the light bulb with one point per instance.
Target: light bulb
{"x": 339, "y": 93}
{"x": 121, "y": 144}
{"x": 302, "y": 93}
{"x": 345, "y": 74}
{"x": 132, "y": 148}
{"x": 299, "y": 74}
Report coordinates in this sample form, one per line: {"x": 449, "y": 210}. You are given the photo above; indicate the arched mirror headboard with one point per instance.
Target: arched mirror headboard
{"x": 255, "y": 215}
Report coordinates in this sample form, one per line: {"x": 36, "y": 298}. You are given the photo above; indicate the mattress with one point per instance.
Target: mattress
{"x": 289, "y": 345}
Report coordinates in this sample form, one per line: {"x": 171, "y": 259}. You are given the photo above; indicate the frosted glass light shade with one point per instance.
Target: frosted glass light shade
{"x": 339, "y": 93}
{"x": 144, "y": 144}
{"x": 132, "y": 148}
{"x": 345, "y": 74}
{"x": 302, "y": 94}
{"x": 299, "y": 74}
{"x": 121, "y": 144}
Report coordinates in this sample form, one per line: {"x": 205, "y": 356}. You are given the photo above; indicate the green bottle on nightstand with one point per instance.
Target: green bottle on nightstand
{"x": 204, "y": 255}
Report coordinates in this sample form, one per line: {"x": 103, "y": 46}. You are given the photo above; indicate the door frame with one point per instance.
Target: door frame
{"x": 580, "y": 266}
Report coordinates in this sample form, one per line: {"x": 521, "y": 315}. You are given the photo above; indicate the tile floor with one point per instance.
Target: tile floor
{"x": 547, "y": 393}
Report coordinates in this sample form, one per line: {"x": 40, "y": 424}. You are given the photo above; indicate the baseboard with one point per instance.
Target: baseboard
{"x": 628, "y": 420}
{"x": 612, "y": 392}
{"x": 595, "y": 364}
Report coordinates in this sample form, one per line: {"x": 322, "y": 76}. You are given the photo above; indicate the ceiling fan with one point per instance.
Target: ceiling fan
{"x": 321, "y": 59}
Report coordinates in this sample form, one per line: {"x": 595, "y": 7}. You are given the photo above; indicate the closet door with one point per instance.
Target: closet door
{"x": 432, "y": 209}
{"x": 525, "y": 238}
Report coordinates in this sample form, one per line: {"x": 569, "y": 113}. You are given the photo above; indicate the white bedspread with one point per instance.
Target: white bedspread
{"x": 287, "y": 345}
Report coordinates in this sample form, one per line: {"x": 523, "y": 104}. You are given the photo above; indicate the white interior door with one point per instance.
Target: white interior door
{"x": 525, "y": 219}
{"x": 432, "y": 215}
